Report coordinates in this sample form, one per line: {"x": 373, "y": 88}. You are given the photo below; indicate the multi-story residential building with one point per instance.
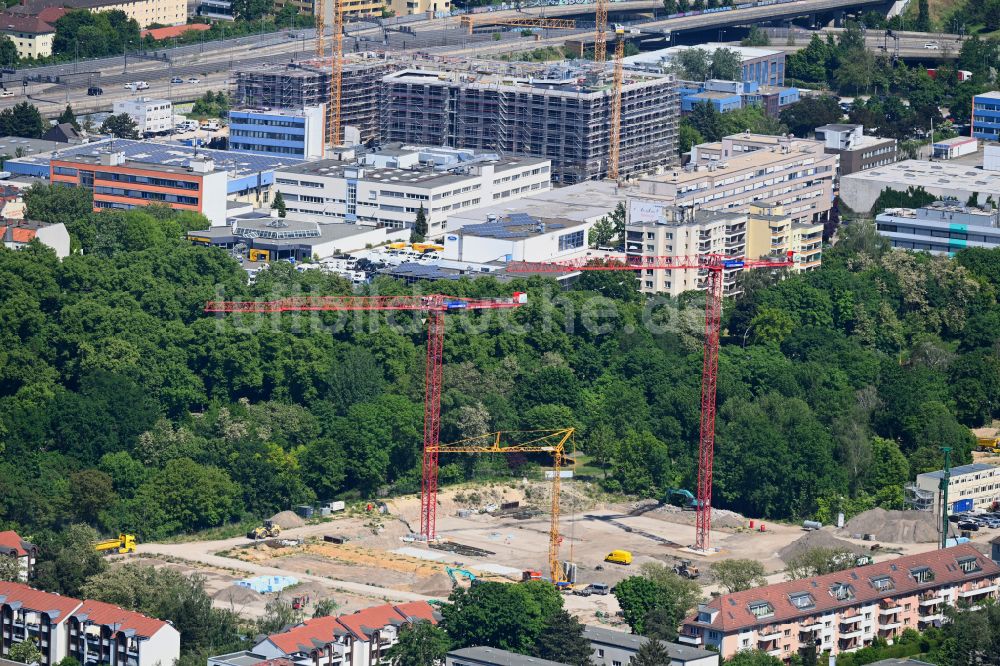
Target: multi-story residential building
{"x": 357, "y": 639}
{"x": 292, "y": 132}
{"x": 771, "y": 231}
{"x": 552, "y": 112}
{"x": 975, "y": 486}
{"x": 614, "y": 648}
{"x": 655, "y": 229}
{"x": 12, "y": 545}
{"x": 33, "y": 35}
{"x": 92, "y": 632}
{"x": 986, "y": 116}
{"x": 857, "y": 151}
{"x": 845, "y": 611}
{"x": 151, "y": 116}
{"x": 145, "y": 12}
{"x": 351, "y": 8}
{"x": 389, "y": 187}
{"x": 763, "y": 66}
{"x": 123, "y": 184}
{"x": 943, "y": 227}
{"x": 409, "y": 7}
{"x": 298, "y": 85}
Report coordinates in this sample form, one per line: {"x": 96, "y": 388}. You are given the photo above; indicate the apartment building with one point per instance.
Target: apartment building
{"x": 32, "y": 35}
{"x": 410, "y": 7}
{"x": 12, "y": 545}
{"x": 975, "y": 486}
{"x": 389, "y": 187}
{"x": 151, "y": 116}
{"x": 944, "y": 227}
{"x": 857, "y": 151}
{"x": 771, "y": 231}
{"x": 553, "y": 112}
{"x": 986, "y": 116}
{"x": 145, "y": 12}
{"x": 296, "y": 133}
{"x": 92, "y": 632}
{"x": 351, "y": 8}
{"x": 657, "y": 230}
{"x": 357, "y": 639}
{"x": 118, "y": 183}
{"x": 845, "y": 611}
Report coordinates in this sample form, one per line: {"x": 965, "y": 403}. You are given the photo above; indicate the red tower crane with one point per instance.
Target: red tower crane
{"x": 714, "y": 265}
{"x": 435, "y": 306}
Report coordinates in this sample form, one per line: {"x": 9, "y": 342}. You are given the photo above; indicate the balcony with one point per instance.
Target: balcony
{"x": 769, "y": 634}
{"x": 815, "y": 625}
{"x": 931, "y": 599}
{"x": 690, "y": 639}
{"x": 776, "y": 652}
{"x": 889, "y": 610}
{"x": 927, "y": 619}
{"x": 965, "y": 594}
{"x": 890, "y": 626}
{"x": 851, "y": 619}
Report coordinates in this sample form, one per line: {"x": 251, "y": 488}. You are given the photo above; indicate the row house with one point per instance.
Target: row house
{"x": 12, "y": 545}
{"x": 92, "y": 632}
{"x": 846, "y": 610}
{"x": 358, "y": 639}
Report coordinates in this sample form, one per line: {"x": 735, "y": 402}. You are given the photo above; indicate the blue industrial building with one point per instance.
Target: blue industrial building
{"x": 278, "y": 132}
{"x": 727, "y": 96}
{"x": 986, "y": 116}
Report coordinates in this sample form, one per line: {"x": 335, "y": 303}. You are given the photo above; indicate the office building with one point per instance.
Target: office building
{"x": 845, "y": 611}
{"x": 145, "y": 12}
{"x": 118, "y": 183}
{"x": 659, "y": 230}
{"x": 356, "y": 639}
{"x": 725, "y": 96}
{"x": 151, "y": 116}
{"x": 551, "y": 112}
{"x": 295, "y": 133}
{"x": 986, "y": 116}
{"x": 389, "y": 187}
{"x": 946, "y": 180}
{"x": 857, "y": 151}
{"x": 26, "y": 554}
{"x": 300, "y": 85}
{"x": 613, "y": 647}
{"x": 971, "y": 487}
{"x": 518, "y": 237}
{"x": 943, "y": 227}
{"x": 763, "y": 66}
{"x": 91, "y": 632}
{"x": 772, "y": 232}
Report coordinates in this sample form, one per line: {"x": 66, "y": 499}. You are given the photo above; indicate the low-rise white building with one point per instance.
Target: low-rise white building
{"x": 518, "y": 237}
{"x": 152, "y": 116}
{"x": 388, "y": 188}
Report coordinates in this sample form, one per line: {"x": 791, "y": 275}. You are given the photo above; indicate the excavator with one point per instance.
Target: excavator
{"x": 125, "y": 543}
{"x": 268, "y": 530}
{"x": 455, "y": 574}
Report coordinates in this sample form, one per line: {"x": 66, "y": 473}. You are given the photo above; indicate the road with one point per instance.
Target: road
{"x": 911, "y": 44}
{"x": 203, "y": 552}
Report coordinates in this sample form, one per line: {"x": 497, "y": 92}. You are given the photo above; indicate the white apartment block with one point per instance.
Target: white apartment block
{"x": 12, "y": 545}
{"x": 389, "y": 188}
{"x": 658, "y": 230}
{"x": 92, "y": 632}
{"x": 153, "y": 116}
{"x": 975, "y": 486}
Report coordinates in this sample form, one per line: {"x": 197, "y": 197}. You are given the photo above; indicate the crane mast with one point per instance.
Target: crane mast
{"x": 336, "y": 74}
{"x": 600, "y": 42}
{"x": 616, "y": 105}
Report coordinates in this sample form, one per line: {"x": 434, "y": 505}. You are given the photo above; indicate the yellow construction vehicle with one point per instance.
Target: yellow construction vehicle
{"x": 266, "y": 531}
{"x": 125, "y": 543}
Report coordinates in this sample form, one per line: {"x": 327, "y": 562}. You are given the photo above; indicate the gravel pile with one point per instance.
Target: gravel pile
{"x": 895, "y": 526}
{"x": 237, "y": 595}
{"x": 816, "y": 539}
{"x": 287, "y": 520}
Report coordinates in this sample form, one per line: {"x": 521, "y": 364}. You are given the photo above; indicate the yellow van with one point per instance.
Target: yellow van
{"x": 619, "y": 557}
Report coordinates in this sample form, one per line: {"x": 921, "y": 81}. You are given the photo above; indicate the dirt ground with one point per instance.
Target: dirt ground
{"x": 380, "y": 560}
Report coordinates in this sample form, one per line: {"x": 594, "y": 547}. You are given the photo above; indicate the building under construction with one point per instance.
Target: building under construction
{"x": 297, "y": 85}
{"x": 555, "y": 112}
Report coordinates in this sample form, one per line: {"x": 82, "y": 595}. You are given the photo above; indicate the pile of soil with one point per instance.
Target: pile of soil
{"x": 817, "y": 539}
{"x": 237, "y": 595}
{"x": 895, "y": 526}
{"x": 287, "y": 520}
{"x": 439, "y": 584}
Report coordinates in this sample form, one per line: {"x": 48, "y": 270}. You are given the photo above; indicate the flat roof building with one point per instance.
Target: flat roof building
{"x": 970, "y": 487}
{"x": 618, "y": 647}
{"x": 986, "y": 116}
{"x": 857, "y": 151}
{"x": 553, "y": 112}
{"x": 294, "y": 133}
{"x": 947, "y": 180}
{"x": 943, "y": 227}
{"x": 487, "y": 656}
{"x": 151, "y": 116}
{"x": 518, "y": 237}
{"x": 762, "y": 65}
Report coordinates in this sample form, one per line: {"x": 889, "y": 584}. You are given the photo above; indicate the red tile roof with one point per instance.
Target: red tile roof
{"x": 175, "y": 30}
{"x": 34, "y": 25}
{"x": 11, "y": 541}
{"x": 320, "y": 631}
{"x": 101, "y": 613}
{"x": 56, "y": 606}
{"x": 18, "y": 235}
{"x": 733, "y": 612}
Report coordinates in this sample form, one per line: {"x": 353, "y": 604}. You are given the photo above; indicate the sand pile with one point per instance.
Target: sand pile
{"x": 817, "y": 539}
{"x": 287, "y": 520}
{"x": 237, "y": 595}
{"x": 437, "y": 585}
{"x": 895, "y": 526}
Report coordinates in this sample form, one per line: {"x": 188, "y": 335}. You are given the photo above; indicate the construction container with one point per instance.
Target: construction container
{"x": 332, "y": 538}
{"x": 810, "y": 525}
{"x": 305, "y": 511}
{"x": 962, "y": 506}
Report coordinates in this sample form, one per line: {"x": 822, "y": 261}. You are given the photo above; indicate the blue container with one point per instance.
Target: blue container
{"x": 962, "y": 506}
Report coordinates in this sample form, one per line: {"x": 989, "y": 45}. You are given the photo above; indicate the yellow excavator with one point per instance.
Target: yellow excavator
{"x": 268, "y": 530}
{"x": 125, "y": 543}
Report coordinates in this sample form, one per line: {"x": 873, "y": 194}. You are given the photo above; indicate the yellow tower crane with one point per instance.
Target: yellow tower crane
{"x": 336, "y": 73}
{"x": 600, "y": 45}
{"x": 554, "y": 442}
{"x": 615, "y": 134}
{"x": 319, "y": 11}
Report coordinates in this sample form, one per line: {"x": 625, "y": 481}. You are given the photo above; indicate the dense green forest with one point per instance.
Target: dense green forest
{"x": 124, "y": 406}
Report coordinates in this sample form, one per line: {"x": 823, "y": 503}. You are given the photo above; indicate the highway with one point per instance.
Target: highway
{"x": 912, "y": 45}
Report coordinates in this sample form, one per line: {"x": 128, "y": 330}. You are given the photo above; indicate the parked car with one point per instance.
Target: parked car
{"x": 599, "y": 588}
{"x": 94, "y": 91}
{"x": 969, "y": 525}
{"x": 192, "y": 79}
{"x": 176, "y": 79}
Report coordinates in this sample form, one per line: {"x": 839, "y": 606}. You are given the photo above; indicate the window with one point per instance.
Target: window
{"x": 802, "y": 600}
{"x": 969, "y": 564}
{"x": 841, "y": 591}
{"x": 761, "y": 609}
{"x": 600, "y": 652}
{"x": 883, "y": 583}
{"x": 922, "y": 574}
{"x": 571, "y": 241}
